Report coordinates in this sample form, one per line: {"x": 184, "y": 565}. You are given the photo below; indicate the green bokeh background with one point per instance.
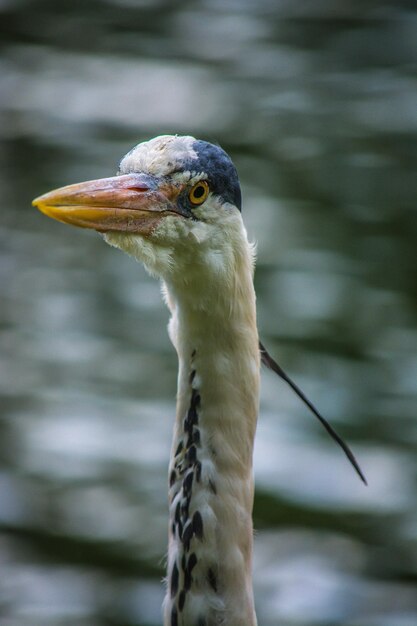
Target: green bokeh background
{"x": 317, "y": 104}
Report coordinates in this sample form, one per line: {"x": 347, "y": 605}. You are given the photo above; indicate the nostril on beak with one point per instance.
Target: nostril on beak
{"x": 139, "y": 187}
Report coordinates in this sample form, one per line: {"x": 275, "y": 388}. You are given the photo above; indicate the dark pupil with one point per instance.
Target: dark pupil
{"x": 199, "y": 191}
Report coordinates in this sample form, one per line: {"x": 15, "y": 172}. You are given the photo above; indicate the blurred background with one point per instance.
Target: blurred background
{"x": 316, "y": 101}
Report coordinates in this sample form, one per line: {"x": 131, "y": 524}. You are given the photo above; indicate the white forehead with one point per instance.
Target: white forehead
{"x": 161, "y": 155}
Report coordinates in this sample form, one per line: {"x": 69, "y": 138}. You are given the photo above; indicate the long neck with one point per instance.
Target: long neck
{"x": 210, "y": 474}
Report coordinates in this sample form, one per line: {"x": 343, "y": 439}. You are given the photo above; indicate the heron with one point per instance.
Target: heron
{"x": 175, "y": 206}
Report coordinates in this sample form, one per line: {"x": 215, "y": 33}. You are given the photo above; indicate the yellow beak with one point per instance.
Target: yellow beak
{"x": 128, "y": 203}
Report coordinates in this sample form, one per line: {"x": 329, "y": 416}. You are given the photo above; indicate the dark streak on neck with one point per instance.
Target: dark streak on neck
{"x": 187, "y": 469}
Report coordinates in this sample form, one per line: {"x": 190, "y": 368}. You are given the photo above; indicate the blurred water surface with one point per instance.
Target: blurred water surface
{"x": 317, "y": 104}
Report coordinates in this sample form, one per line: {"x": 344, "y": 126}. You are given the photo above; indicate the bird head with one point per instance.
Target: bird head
{"x": 175, "y": 202}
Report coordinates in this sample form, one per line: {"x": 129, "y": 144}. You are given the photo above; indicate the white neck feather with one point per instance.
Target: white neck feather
{"x": 213, "y": 328}
{"x": 207, "y": 269}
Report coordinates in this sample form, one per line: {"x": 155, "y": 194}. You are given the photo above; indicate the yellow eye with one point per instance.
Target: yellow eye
{"x": 199, "y": 192}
